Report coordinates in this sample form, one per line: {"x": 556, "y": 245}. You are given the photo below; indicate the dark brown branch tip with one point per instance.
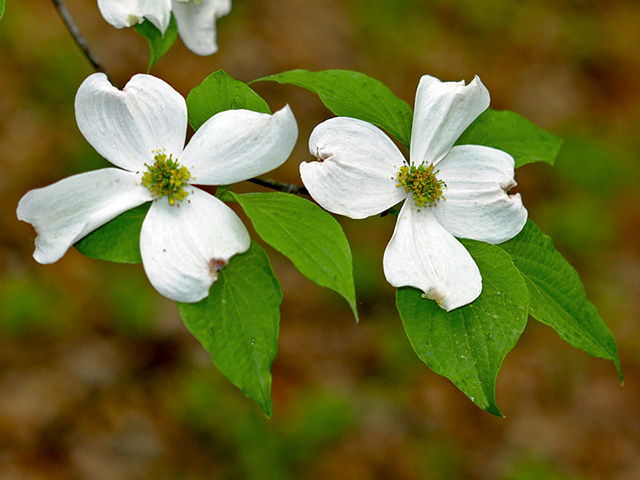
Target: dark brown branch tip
{"x": 279, "y": 186}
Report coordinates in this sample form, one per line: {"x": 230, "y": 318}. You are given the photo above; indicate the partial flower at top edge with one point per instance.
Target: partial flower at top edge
{"x": 196, "y": 19}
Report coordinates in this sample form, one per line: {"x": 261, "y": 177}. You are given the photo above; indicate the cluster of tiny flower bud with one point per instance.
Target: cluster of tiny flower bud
{"x": 421, "y": 181}
{"x": 166, "y": 178}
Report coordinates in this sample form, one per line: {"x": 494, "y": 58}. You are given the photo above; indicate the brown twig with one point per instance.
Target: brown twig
{"x": 279, "y": 186}
{"x": 77, "y": 36}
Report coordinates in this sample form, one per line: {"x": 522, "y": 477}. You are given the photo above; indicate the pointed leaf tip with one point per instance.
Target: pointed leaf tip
{"x": 558, "y": 298}
{"x": 238, "y": 323}
{"x": 468, "y": 344}
{"x": 307, "y": 235}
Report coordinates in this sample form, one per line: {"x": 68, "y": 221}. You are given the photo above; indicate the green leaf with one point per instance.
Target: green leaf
{"x": 238, "y": 323}
{"x": 557, "y": 296}
{"x": 508, "y": 131}
{"x": 468, "y": 344}
{"x": 353, "y": 94}
{"x": 1, "y": 9}
{"x": 222, "y": 190}
{"x": 219, "y": 92}
{"x": 117, "y": 241}
{"x": 158, "y": 44}
{"x": 307, "y": 235}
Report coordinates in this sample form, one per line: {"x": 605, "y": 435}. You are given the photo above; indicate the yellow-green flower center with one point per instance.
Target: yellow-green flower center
{"x": 422, "y": 183}
{"x": 166, "y": 178}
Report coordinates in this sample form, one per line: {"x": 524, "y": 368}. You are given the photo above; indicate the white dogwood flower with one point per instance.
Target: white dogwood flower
{"x": 449, "y": 191}
{"x": 187, "y": 235}
{"x": 196, "y": 19}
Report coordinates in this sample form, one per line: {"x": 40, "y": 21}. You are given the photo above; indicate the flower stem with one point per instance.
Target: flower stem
{"x": 77, "y": 36}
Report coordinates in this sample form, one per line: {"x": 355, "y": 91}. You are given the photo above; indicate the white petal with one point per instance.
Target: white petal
{"x": 68, "y": 210}
{"x": 184, "y": 246}
{"x": 356, "y": 174}
{"x": 422, "y": 254}
{"x": 443, "y": 110}
{"x": 235, "y": 145}
{"x": 476, "y": 203}
{"x": 126, "y": 13}
{"x": 158, "y": 12}
{"x": 121, "y": 13}
{"x": 197, "y": 23}
{"x": 127, "y": 126}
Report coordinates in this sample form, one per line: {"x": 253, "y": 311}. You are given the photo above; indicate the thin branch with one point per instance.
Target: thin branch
{"x": 78, "y": 37}
{"x": 279, "y": 186}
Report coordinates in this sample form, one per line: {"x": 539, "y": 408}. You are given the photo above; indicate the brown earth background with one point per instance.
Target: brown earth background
{"x": 99, "y": 378}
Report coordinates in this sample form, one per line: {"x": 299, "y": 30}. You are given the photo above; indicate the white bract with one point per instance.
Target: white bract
{"x": 449, "y": 191}
{"x": 188, "y": 235}
{"x": 196, "y": 19}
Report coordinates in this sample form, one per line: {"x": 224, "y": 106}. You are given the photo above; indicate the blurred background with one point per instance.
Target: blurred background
{"x": 100, "y": 380}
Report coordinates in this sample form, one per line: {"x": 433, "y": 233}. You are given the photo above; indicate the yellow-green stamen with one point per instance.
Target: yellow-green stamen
{"x": 422, "y": 183}
{"x": 166, "y": 178}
